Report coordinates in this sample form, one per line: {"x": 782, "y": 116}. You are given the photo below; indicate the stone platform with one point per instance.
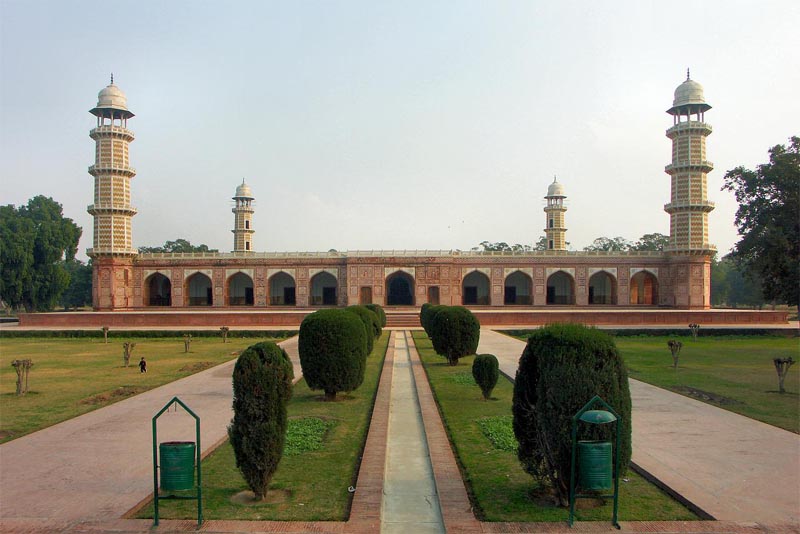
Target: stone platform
{"x": 490, "y": 316}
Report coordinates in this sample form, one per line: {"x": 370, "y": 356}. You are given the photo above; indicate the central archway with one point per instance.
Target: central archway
{"x": 560, "y": 289}
{"x": 282, "y": 290}
{"x": 323, "y": 289}
{"x": 602, "y": 288}
{"x": 240, "y": 290}
{"x": 517, "y": 289}
{"x": 476, "y": 289}
{"x": 199, "y": 291}
{"x": 644, "y": 289}
{"x": 400, "y": 289}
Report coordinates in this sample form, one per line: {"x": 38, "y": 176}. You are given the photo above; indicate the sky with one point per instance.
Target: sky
{"x": 366, "y": 125}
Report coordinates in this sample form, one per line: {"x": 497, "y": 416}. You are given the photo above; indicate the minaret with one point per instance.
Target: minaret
{"x": 243, "y": 219}
{"x": 555, "y": 228}
{"x": 112, "y": 249}
{"x": 689, "y": 207}
{"x": 112, "y": 210}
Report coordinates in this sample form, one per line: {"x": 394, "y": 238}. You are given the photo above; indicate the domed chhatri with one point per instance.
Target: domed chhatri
{"x": 555, "y": 189}
{"x": 243, "y": 191}
{"x": 689, "y": 98}
{"x": 112, "y": 102}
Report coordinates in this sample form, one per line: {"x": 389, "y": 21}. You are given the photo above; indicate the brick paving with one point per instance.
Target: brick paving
{"x": 365, "y": 511}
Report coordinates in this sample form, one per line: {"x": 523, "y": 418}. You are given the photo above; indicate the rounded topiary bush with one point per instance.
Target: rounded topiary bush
{"x": 427, "y": 315}
{"x": 262, "y": 386}
{"x": 455, "y": 332}
{"x": 562, "y": 367}
{"x": 378, "y": 310}
{"x": 333, "y": 351}
{"x": 371, "y": 324}
{"x": 486, "y": 371}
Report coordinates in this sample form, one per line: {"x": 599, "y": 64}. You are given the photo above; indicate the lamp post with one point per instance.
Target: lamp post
{"x": 594, "y": 457}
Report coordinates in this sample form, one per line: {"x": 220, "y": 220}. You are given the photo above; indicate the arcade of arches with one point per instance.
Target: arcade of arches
{"x": 255, "y": 286}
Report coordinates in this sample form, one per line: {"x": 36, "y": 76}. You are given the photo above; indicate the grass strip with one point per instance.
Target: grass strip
{"x": 70, "y": 377}
{"x": 498, "y": 486}
{"x": 308, "y": 486}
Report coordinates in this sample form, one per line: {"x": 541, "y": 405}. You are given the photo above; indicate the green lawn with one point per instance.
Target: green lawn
{"x": 734, "y": 373}
{"x": 500, "y": 489}
{"x": 308, "y": 486}
{"x": 70, "y": 377}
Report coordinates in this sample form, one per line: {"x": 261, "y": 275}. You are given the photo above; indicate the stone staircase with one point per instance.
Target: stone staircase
{"x": 402, "y": 319}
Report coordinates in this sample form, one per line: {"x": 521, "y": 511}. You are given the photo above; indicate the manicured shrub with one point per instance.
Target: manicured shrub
{"x": 486, "y": 371}
{"x": 455, "y": 332}
{"x": 333, "y": 351}
{"x": 423, "y": 314}
{"x": 427, "y": 315}
{"x": 262, "y": 387}
{"x": 562, "y": 367}
{"x": 377, "y": 309}
{"x": 372, "y": 324}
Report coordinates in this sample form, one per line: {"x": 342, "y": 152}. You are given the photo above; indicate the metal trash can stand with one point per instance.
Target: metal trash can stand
{"x": 177, "y": 464}
{"x": 595, "y": 465}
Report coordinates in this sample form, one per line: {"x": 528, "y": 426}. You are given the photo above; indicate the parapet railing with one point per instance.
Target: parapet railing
{"x": 419, "y": 253}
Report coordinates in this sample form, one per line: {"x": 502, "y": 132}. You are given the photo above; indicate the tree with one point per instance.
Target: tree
{"x": 35, "y": 240}
{"x": 262, "y": 387}
{"x": 179, "y": 245}
{"x": 79, "y": 290}
{"x": 609, "y": 244}
{"x": 455, "y": 332}
{"x": 486, "y": 371}
{"x": 768, "y": 219}
{"x": 656, "y": 242}
{"x": 562, "y": 367}
{"x": 333, "y": 351}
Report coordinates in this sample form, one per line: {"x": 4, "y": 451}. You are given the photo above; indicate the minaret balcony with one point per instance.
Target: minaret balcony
{"x": 702, "y": 206}
{"x": 243, "y": 209}
{"x": 114, "y": 131}
{"x": 689, "y": 127}
{"x": 95, "y": 209}
{"x": 94, "y": 170}
{"x": 687, "y": 165}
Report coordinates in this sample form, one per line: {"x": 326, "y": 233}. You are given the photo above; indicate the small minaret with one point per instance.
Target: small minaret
{"x": 555, "y": 228}
{"x": 112, "y": 210}
{"x": 689, "y": 206}
{"x": 243, "y": 219}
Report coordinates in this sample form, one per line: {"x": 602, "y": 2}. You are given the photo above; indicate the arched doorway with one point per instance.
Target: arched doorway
{"x": 240, "y": 290}
{"x": 517, "y": 289}
{"x": 602, "y": 288}
{"x": 323, "y": 289}
{"x": 475, "y": 289}
{"x": 644, "y": 289}
{"x": 282, "y": 290}
{"x": 159, "y": 290}
{"x": 198, "y": 290}
{"x": 560, "y": 289}
{"x": 400, "y": 289}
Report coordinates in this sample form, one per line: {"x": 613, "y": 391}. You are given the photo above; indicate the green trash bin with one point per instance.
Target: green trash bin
{"x": 594, "y": 465}
{"x": 177, "y": 465}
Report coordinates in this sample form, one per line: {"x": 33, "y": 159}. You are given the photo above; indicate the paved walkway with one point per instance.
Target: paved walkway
{"x": 100, "y": 465}
{"x": 732, "y": 467}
